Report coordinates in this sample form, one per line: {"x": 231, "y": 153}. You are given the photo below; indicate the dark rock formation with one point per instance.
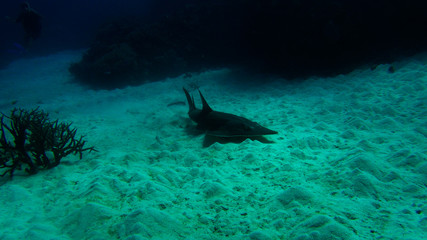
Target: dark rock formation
{"x": 287, "y": 38}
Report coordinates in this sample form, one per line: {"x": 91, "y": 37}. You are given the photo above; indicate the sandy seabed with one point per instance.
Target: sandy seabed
{"x": 349, "y": 161}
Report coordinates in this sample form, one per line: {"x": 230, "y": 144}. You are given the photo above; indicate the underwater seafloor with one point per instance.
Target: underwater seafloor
{"x": 349, "y": 161}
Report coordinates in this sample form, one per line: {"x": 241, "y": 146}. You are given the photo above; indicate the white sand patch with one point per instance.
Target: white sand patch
{"x": 349, "y": 161}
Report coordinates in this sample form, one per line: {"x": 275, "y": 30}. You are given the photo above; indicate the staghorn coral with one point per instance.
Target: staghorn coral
{"x": 37, "y": 142}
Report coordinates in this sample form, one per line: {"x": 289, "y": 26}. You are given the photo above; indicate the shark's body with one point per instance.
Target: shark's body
{"x": 220, "y": 124}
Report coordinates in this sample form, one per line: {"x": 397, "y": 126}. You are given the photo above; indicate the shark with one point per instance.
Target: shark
{"x": 221, "y": 124}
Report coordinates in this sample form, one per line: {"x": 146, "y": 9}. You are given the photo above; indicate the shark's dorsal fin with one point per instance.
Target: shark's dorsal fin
{"x": 206, "y": 108}
{"x": 190, "y": 100}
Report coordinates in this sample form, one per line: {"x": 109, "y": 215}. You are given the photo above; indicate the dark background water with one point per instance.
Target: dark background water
{"x": 66, "y": 24}
{"x": 308, "y": 35}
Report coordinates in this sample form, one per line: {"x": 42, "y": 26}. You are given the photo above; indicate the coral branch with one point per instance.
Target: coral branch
{"x": 37, "y": 141}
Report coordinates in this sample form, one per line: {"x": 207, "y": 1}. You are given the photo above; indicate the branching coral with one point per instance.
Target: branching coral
{"x": 37, "y": 142}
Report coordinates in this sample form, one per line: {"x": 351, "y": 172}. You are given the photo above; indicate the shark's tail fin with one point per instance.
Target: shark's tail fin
{"x": 191, "y": 105}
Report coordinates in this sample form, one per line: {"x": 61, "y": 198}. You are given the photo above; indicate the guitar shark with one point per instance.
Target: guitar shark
{"x": 224, "y": 125}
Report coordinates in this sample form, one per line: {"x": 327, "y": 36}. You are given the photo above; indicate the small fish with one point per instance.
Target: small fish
{"x": 177, "y": 103}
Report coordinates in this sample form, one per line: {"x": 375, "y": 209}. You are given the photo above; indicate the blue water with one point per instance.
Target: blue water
{"x": 66, "y": 24}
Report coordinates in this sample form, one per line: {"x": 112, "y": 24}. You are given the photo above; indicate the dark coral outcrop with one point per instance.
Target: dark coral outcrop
{"x": 291, "y": 39}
